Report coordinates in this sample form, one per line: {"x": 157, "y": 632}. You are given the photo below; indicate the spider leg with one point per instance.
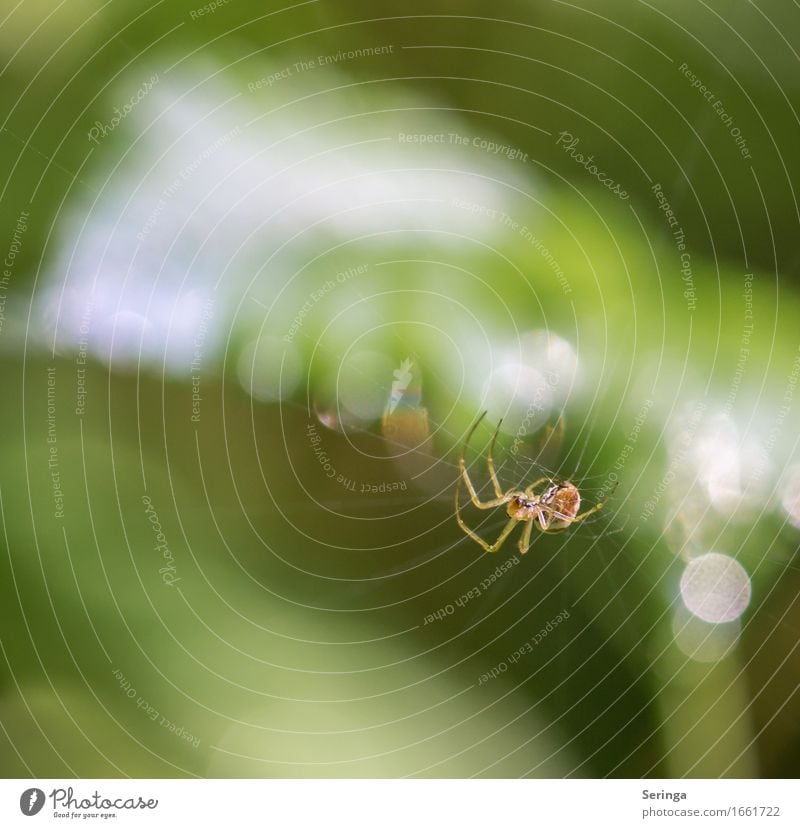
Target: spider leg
{"x": 558, "y": 515}
{"x": 489, "y": 504}
{"x": 501, "y": 538}
{"x": 529, "y": 489}
{"x": 567, "y": 520}
{"x": 525, "y": 539}
{"x": 474, "y": 535}
{"x": 555, "y": 516}
{"x": 597, "y": 508}
{"x": 472, "y": 430}
{"x": 490, "y": 462}
{"x": 486, "y": 504}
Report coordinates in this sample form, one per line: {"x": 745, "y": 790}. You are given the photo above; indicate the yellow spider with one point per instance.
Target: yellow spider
{"x": 552, "y": 510}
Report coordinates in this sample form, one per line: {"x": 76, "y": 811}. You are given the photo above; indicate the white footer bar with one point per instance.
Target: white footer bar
{"x": 492, "y": 803}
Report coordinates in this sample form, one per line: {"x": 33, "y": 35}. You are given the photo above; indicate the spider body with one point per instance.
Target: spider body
{"x": 521, "y": 507}
{"x": 554, "y": 509}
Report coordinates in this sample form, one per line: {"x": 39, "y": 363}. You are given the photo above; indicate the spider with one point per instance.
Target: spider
{"x": 555, "y": 509}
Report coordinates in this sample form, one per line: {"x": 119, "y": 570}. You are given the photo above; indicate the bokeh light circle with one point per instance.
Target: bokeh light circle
{"x": 715, "y": 588}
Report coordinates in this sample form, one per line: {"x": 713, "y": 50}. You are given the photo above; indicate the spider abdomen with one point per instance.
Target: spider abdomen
{"x": 565, "y": 501}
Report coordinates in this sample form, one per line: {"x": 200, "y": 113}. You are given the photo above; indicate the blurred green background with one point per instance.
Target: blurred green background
{"x": 265, "y": 266}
